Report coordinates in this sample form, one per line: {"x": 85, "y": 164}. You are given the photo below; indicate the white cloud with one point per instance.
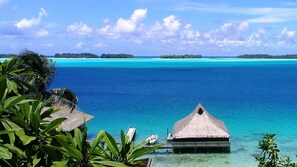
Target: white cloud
{"x": 79, "y": 29}
{"x": 153, "y": 31}
{"x": 228, "y": 31}
{"x": 47, "y": 45}
{"x": 224, "y": 28}
{"x": 260, "y": 15}
{"x": 188, "y": 34}
{"x": 262, "y": 31}
{"x": 100, "y": 45}
{"x": 171, "y": 24}
{"x": 138, "y": 15}
{"x": 256, "y": 38}
{"x": 79, "y": 45}
{"x": 108, "y": 32}
{"x": 170, "y": 28}
{"x": 285, "y": 34}
{"x": 291, "y": 3}
{"x": 42, "y": 33}
{"x": 133, "y": 28}
{"x": 232, "y": 35}
{"x": 260, "y": 38}
{"x": 105, "y": 21}
{"x": 227, "y": 42}
{"x": 27, "y": 23}
{"x": 123, "y": 26}
{"x": 138, "y": 42}
{"x": 129, "y": 25}
{"x": 243, "y": 26}
{"x": 166, "y": 41}
{"x": 174, "y": 32}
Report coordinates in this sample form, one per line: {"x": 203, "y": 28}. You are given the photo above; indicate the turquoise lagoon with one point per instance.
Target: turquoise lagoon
{"x": 250, "y": 96}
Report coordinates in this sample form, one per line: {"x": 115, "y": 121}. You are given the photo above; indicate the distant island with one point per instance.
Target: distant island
{"x": 117, "y": 56}
{"x": 267, "y": 56}
{"x": 76, "y": 55}
{"x": 7, "y": 55}
{"x": 180, "y": 56}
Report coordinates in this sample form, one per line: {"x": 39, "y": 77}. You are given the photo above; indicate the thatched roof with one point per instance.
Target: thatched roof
{"x": 74, "y": 119}
{"x": 199, "y": 124}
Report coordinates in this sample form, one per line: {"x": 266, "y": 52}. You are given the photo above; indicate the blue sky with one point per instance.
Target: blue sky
{"x": 149, "y": 27}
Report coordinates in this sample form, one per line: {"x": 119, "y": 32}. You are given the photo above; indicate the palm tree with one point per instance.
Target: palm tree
{"x": 43, "y": 70}
{"x": 43, "y": 73}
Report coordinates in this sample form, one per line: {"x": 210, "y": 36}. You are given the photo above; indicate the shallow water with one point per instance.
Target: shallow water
{"x": 250, "y": 96}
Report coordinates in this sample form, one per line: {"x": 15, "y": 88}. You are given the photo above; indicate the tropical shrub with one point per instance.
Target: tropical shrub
{"x": 102, "y": 151}
{"x": 126, "y": 152}
{"x": 269, "y": 153}
{"x": 12, "y": 72}
{"x": 27, "y": 138}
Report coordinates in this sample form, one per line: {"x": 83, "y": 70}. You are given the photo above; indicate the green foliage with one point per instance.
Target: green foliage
{"x": 267, "y": 56}
{"x": 78, "y": 150}
{"x": 269, "y": 153}
{"x": 75, "y": 55}
{"x": 126, "y": 152}
{"x": 180, "y": 56}
{"x": 25, "y": 135}
{"x": 103, "y": 150}
{"x": 27, "y": 138}
{"x": 12, "y": 72}
{"x": 117, "y": 56}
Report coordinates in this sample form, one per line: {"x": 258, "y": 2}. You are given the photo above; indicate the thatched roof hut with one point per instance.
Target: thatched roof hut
{"x": 200, "y": 124}
{"x": 74, "y": 119}
{"x": 200, "y": 131}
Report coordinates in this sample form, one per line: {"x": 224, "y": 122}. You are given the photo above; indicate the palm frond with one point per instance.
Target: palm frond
{"x": 43, "y": 70}
{"x": 62, "y": 96}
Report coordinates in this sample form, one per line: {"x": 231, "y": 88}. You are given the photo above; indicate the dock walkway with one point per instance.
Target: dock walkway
{"x": 166, "y": 148}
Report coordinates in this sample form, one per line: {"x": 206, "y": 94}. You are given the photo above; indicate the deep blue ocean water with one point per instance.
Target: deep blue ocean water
{"x": 250, "y": 96}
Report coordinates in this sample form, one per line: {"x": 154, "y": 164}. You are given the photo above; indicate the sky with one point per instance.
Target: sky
{"x": 149, "y": 27}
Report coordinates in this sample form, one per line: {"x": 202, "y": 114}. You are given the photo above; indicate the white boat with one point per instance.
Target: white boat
{"x": 152, "y": 139}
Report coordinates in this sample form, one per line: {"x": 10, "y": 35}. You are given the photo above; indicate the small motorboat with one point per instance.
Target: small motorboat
{"x": 152, "y": 139}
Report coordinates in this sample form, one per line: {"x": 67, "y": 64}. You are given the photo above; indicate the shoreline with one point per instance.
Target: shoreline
{"x": 158, "y": 58}
{"x": 162, "y": 59}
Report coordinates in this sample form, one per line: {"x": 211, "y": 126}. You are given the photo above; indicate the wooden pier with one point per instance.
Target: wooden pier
{"x": 131, "y": 133}
{"x": 166, "y": 147}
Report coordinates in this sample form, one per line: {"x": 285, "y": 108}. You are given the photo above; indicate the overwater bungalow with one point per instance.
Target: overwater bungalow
{"x": 200, "y": 132}
{"x": 75, "y": 118}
